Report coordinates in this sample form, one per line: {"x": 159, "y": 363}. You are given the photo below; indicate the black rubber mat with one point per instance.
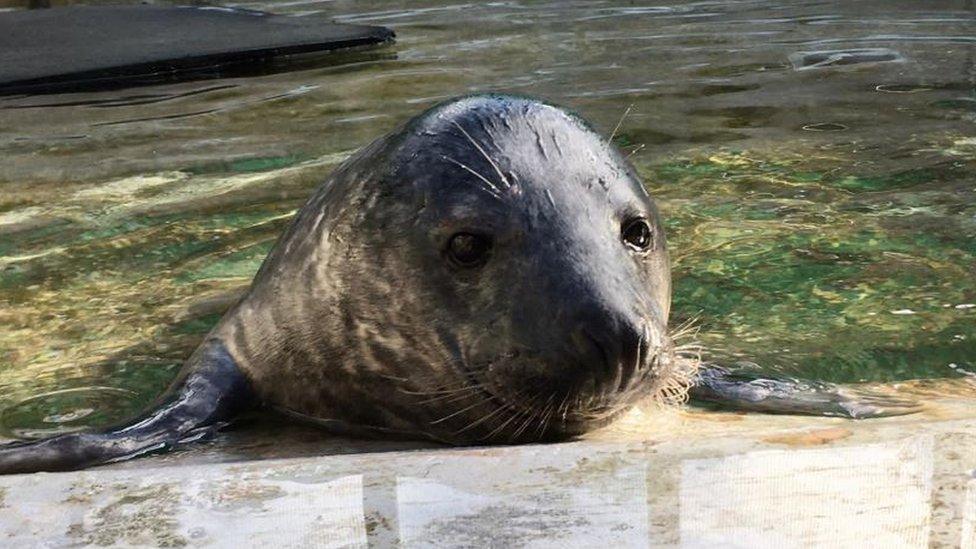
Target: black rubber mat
{"x": 91, "y": 47}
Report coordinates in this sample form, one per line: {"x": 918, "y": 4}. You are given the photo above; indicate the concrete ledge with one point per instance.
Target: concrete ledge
{"x": 688, "y": 478}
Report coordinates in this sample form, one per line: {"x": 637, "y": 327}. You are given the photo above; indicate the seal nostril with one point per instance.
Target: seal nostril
{"x": 616, "y": 358}
{"x": 632, "y": 357}
{"x": 613, "y": 350}
{"x": 634, "y": 348}
{"x": 643, "y": 350}
{"x": 592, "y": 355}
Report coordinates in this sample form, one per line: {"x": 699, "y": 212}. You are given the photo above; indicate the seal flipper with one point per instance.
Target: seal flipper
{"x": 749, "y": 392}
{"x": 210, "y": 391}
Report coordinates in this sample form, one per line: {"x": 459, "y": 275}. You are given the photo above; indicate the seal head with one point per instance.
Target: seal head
{"x": 493, "y": 272}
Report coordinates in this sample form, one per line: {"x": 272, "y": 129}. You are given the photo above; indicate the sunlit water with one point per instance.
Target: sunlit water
{"x": 820, "y": 205}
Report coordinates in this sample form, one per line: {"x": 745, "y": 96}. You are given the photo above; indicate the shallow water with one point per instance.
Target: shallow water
{"x": 813, "y": 160}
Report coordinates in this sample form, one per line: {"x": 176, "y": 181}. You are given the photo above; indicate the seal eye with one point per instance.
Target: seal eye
{"x": 637, "y": 234}
{"x": 468, "y": 249}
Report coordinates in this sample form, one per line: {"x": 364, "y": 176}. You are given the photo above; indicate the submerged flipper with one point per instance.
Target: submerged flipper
{"x": 740, "y": 390}
{"x": 210, "y": 392}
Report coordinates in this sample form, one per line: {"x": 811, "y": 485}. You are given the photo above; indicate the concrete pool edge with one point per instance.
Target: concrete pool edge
{"x": 701, "y": 478}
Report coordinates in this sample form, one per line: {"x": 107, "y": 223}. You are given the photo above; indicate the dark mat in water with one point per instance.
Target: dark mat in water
{"x": 92, "y": 47}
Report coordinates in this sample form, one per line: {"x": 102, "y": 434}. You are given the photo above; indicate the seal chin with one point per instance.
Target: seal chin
{"x": 532, "y": 400}
{"x": 580, "y": 422}
{"x": 547, "y": 424}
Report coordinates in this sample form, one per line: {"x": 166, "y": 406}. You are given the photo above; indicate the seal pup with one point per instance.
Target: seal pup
{"x": 492, "y": 272}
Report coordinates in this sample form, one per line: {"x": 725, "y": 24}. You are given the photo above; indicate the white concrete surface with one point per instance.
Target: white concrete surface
{"x": 657, "y": 479}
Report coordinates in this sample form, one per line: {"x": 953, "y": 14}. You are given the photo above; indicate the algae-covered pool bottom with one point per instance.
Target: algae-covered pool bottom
{"x": 826, "y": 263}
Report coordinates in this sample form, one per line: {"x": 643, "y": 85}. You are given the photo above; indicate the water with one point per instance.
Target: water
{"x": 813, "y": 160}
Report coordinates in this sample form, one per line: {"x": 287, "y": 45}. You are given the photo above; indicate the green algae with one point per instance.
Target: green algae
{"x": 897, "y": 180}
{"x": 795, "y": 263}
{"x": 197, "y": 326}
{"x": 239, "y": 264}
{"x": 250, "y": 165}
{"x": 111, "y": 301}
{"x": 965, "y": 103}
{"x": 828, "y": 285}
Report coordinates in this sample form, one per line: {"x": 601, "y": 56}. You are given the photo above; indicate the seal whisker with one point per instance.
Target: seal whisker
{"x": 446, "y": 390}
{"x": 619, "y": 122}
{"x": 535, "y": 416}
{"x": 691, "y": 345}
{"x": 452, "y": 397}
{"x": 492, "y": 190}
{"x": 481, "y": 420}
{"x": 498, "y": 170}
{"x": 546, "y": 415}
{"x": 394, "y": 378}
{"x": 564, "y": 406}
{"x": 500, "y": 427}
{"x": 636, "y": 150}
{"x": 458, "y": 412}
{"x": 690, "y": 326}
{"x": 505, "y": 407}
{"x": 528, "y": 421}
{"x": 514, "y": 414}
{"x": 586, "y": 405}
{"x": 528, "y": 411}
{"x": 677, "y": 373}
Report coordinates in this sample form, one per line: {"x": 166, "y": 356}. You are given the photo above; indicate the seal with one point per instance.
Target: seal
{"x": 492, "y": 272}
